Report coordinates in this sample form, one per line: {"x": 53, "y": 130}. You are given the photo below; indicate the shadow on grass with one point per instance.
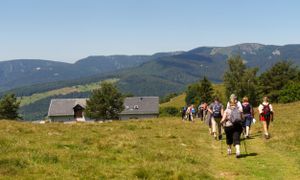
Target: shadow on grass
{"x": 247, "y": 139}
{"x": 255, "y": 135}
{"x": 246, "y": 155}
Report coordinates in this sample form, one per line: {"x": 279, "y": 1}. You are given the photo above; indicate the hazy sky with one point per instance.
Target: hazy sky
{"x": 68, "y": 30}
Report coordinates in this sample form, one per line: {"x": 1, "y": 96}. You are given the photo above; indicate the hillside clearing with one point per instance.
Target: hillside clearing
{"x": 179, "y": 101}
{"x": 164, "y": 148}
{"x": 25, "y": 100}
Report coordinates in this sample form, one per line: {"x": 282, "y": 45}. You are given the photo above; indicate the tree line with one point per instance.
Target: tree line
{"x": 281, "y": 83}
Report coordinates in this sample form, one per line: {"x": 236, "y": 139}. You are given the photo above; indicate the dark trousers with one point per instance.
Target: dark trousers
{"x": 200, "y": 114}
{"x": 233, "y": 134}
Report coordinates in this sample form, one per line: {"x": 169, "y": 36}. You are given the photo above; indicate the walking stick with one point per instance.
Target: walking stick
{"x": 221, "y": 142}
{"x": 221, "y": 146}
{"x": 245, "y": 146}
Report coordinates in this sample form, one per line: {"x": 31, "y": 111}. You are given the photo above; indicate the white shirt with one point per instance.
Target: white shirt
{"x": 239, "y": 105}
{"x": 261, "y": 107}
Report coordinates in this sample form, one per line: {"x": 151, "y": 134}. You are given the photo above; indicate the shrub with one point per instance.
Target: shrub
{"x": 169, "y": 111}
{"x": 168, "y": 97}
{"x": 290, "y": 93}
{"x": 273, "y": 80}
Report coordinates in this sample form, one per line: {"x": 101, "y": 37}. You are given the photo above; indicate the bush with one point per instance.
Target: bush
{"x": 276, "y": 78}
{"x": 199, "y": 92}
{"x": 168, "y": 97}
{"x": 169, "y": 111}
{"x": 290, "y": 93}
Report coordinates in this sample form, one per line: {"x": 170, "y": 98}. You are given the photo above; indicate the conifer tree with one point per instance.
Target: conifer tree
{"x": 233, "y": 77}
{"x": 206, "y": 91}
{"x": 240, "y": 80}
{"x": 199, "y": 92}
{"x": 105, "y": 102}
{"x": 276, "y": 77}
{"x": 192, "y": 94}
{"x": 9, "y": 106}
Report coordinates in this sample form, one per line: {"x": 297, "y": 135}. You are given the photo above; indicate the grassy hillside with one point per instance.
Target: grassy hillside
{"x": 179, "y": 101}
{"x": 163, "y": 148}
{"x": 25, "y": 100}
{"x": 35, "y": 106}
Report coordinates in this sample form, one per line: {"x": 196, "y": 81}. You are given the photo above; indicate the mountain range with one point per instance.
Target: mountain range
{"x": 156, "y": 74}
{"x": 173, "y": 73}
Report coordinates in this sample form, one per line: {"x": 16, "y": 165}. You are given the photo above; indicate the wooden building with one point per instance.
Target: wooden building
{"x": 67, "y": 110}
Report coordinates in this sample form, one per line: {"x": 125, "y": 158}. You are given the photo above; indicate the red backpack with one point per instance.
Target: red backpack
{"x": 266, "y": 110}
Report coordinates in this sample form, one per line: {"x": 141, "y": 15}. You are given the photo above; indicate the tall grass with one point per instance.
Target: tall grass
{"x": 164, "y": 148}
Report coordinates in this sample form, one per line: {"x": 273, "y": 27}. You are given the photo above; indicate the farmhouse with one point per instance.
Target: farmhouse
{"x": 140, "y": 107}
{"x": 66, "y": 110}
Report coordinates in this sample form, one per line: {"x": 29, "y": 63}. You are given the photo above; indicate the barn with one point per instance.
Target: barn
{"x": 68, "y": 110}
{"x": 65, "y": 110}
{"x": 140, "y": 108}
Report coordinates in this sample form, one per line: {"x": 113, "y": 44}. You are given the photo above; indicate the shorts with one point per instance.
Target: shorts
{"x": 263, "y": 118}
{"x": 248, "y": 121}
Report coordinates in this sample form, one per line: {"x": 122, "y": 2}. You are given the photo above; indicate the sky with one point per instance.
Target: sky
{"x": 69, "y": 30}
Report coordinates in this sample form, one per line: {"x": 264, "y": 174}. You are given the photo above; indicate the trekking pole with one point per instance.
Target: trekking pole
{"x": 245, "y": 146}
{"x": 221, "y": 143}
{"x": 221, "y": 147}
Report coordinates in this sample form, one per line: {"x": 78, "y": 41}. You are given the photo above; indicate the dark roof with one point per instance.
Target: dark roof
{"x": 133, "y": 105}
{"x": 141, "y": 105}
{"x": 64, "y": 107}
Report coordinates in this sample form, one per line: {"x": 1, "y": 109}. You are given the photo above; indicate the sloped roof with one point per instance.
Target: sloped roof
{"x": 133, "y": 105}
{"x": 141, "y": 105}
{"x": 64, "y": 107}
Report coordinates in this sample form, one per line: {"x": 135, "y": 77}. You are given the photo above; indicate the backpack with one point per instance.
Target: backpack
{"x": 266, "y": 111}
{"x": 217, "y": 110}
{"x": 184, "y": 110}
{"x": 246, "y": 109}
{"x": 236, "y": 116}
{"x": 200, "y": 107}
{"x": 193, "y": 110}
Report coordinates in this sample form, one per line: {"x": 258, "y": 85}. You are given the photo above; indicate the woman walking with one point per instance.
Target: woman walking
{"x": 233, "y": 127}
{"x": 216, "y": 110}
{"x": 248, "y": 115}
{"x": 265, "y": 110}
{"x": 189, "y": 112}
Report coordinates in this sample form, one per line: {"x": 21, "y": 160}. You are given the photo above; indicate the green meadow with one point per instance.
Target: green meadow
{"x": 26, "y": 100}
{"x": 163, "y": 148}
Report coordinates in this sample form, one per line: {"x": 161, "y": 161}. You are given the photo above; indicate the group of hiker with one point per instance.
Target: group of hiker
{"x": 236, "y": 118}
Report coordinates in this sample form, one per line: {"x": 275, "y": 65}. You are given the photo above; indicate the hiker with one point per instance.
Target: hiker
{"x": 207, "y": 120}
{"x": 233, "y": 98}
{"x": 216, "y": 110}
{"x": 193, "y": 112}
{"x": 265, "y": 110}
{"x": 248, "y": 115}
{"x": 183, "y": 113}
{"x": 202, "y": 111}
{"x": 232, "y": 123}
{"x": 189, "y": 112}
